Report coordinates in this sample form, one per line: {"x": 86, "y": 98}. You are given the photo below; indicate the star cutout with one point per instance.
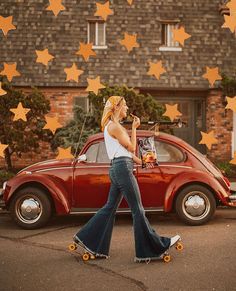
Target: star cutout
{"x": 86, "y": 50}
{"x": 129, "y": 41}
{"x": 130, "y": 2}
{"x": 2, "y": 149}
{"x": 6, "y": 24}
{"x": 212, "y": 75}
{"x": 156, "y": 69}
{"x": 171, "y": 111}
{"x": 2, "y": 92}
{"x": 230, "y": 22}
{"x": 73, "y": 73}
{"x": 103, "y": 10}
{"x": 52, "y": 124}
{"x": 233, "y": 161}
{"x": 55, "y": 6}
{"x": 43, "y": 57}
{"x": 94, "y": 85}
{"x": 232, "y": 5}
{"x": 180, "y": 35}
{"x": 10, "y": 71}
{"x": 20, "y": 112}
{"x": 208, "y": 139}
{"x": 64, "y": 153}
{"x": 231, "y": 103}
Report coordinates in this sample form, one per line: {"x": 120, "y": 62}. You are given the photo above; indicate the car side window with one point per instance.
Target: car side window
{"x": 168, "y": 153}
{"x": 102, "y": 156}
{"x": 92, "y": 152}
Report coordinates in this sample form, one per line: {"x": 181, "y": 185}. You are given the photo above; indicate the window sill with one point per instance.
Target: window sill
{"x": 170, "y": 49}
{"x": 99, "y": 47}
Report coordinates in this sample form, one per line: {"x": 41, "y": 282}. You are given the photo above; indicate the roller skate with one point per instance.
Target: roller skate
{"x": 81, "y": 250}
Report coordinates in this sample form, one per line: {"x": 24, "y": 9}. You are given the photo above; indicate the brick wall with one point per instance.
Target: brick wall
{"x": 220, "y": 120}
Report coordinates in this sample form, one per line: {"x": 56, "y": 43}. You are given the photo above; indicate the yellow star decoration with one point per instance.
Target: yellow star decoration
{"x": 129, "y": 41}
{"x": 180, "y": 35}
{"x": 73, "y": 73}
{"x": 103, "y": 10}
{"x": 10, "y": 71}
{"x": 233, "y": 161}
{"x": 52, "y": 124}
{"x": 86, "y": 50}
{"x": 2, "y": 92}
{"x": 2, "y": 149}
{"x": 208, "y": 139}
{"x": 20, "y": 112}
{"x": 6, "y": 24}
{"x": 94, "y": 85}
{"x": 130, "y": 2}
{"x": 231, "y": 103}
{"x": 212, "y": 75}
{"x": 231, "y": 5}
{"x": 171, "y": 111}
{"x": 230, "y": 22}
{"x": 55, "y": 6}
{"x": 64, "y": 153}
{"x": 43, "y": 57}
{"x": 156, "y": 69}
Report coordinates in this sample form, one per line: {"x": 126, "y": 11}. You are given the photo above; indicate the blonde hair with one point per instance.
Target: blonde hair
{"x": 109, "y": 109}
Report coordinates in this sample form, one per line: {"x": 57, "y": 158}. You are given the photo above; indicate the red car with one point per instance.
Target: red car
{"x": 185, "y": 181}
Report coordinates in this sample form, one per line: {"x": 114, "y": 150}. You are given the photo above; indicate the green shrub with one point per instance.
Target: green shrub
{"x": 229, "y": 170}
{"x": 5, "y": 175}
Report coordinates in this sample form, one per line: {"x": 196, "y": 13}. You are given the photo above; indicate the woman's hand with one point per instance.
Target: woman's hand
{"x": 136, "y": 121}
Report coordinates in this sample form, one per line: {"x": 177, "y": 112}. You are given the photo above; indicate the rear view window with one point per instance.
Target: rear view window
{"x": 168, "y": 153}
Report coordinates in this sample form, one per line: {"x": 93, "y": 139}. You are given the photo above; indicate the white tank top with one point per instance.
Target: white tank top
{"x": 113, "y": 147}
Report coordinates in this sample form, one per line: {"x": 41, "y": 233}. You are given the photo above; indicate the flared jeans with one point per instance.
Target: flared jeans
{"x": 96, "y": 234}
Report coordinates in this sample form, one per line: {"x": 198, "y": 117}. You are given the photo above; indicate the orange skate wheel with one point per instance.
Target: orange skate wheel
{"x": 85, "y": 257}
{"x": 179, "y": 246}
{"x": 92, "y": 257}
{"x": 72, "y": 247}
{"x": 166, "y": 258}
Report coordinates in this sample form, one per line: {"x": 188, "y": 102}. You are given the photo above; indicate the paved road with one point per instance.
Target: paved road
{"x": 39, "y": 260}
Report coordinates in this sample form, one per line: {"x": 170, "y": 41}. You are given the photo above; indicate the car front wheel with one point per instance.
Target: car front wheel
{"x": 195, "y": 205}
{"x": 30, "y": 208}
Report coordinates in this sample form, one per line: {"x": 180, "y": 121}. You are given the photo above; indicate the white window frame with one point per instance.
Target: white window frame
{"x": 96, "y": 46}
{"x": 168, "y": 47}
{"x": 89, "y": 107}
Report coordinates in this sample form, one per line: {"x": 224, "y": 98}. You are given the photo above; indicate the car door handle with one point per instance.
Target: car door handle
{"x": 134, "y": 170}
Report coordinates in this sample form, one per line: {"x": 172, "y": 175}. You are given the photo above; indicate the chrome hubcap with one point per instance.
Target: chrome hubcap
{"x": 196, "y": 205}
{"x": 28, "y": 209}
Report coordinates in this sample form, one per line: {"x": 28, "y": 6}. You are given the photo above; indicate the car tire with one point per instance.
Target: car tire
{"x": 30, "y": 208}
{"x": 195, "y": 205}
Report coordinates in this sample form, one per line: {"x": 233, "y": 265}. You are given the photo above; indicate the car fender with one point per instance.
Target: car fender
{"x": 55, "y": 188}
{"x": 186, "y": 178}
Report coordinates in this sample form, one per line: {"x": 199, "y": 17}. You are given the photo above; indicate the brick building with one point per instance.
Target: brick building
{"x": 210, "y": 45}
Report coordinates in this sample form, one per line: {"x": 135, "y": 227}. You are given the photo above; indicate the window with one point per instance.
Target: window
{"x": 91, "y": 153}
{"x": 102, "y": 156}
{"x": 97, "y": 34}
{"x": 97, "y": 153}
{"x": 84, "y": 103}
{"x": 167, "y": 41}
{"x": 168, "y": 153}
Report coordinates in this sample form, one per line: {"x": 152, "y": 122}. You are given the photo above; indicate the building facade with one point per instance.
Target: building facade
{"x": 210, "y": 45}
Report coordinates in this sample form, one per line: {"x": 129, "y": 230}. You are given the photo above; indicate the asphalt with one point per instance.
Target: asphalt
{"x": 39, "y": 259}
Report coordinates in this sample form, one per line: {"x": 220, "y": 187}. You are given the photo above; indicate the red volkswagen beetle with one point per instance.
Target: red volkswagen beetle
{"x": 185, "y": 181}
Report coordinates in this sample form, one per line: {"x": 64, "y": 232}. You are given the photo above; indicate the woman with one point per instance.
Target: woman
{"x": 95, "y": 236}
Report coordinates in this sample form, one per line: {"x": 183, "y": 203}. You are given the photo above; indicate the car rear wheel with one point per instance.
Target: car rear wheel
{"x": 195, "y": 205}
{"x": 30, "y": 208}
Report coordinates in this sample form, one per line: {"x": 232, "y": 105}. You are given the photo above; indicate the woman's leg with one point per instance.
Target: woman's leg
{"x": 148, "y": 244}
{"x": 96, "y": 234}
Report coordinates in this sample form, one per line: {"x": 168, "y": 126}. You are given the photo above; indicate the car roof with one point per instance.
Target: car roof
{"x": 142, "y": 133}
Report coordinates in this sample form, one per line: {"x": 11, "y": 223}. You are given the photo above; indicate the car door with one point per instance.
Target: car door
{"x": 154, "y": 182}
{"x": 91, "y": 178}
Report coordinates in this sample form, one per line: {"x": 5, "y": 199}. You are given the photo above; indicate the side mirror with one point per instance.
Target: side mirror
{"x": 82, "y": 158}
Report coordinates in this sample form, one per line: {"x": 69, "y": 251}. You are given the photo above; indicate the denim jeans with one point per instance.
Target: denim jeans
{"x": 96, "y": 234}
